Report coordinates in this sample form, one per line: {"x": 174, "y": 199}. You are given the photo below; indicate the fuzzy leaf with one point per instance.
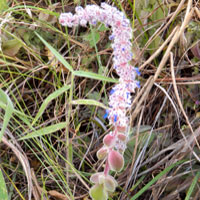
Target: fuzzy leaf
{"x": 97, "y": 192}
{"x": 11, "y": 47}
{"x": 122, "y": 137}
{"x": 110, "y": 183}
{"x": 95, "y": 177}
{"x": 109, "y": 140}
{"x": 92, "y": 38}
{"x": 116, "y": 161}
{"x": 102, "y": 153}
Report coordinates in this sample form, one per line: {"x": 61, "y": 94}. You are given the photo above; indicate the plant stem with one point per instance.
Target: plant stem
{"x": 68, "y": 149}
{"x": 107, "y": 168}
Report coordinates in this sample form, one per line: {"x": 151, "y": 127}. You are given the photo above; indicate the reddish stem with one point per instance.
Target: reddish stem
{"x": 107, "y": 168}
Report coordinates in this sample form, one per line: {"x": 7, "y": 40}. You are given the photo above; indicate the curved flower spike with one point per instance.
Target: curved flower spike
{"x": 120, "y": 96}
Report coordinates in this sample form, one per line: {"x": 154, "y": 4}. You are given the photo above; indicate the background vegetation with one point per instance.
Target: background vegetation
{"x": 54, "y": 87}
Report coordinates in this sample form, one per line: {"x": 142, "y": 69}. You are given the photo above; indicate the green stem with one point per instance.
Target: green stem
{"x": 68, "y": 144}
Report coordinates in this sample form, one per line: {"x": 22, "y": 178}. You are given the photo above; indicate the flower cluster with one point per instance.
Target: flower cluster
{"x": 120, "y": 95}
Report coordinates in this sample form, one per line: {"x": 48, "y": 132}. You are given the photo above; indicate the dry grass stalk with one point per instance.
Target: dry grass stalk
{"x": 24, "y": 161}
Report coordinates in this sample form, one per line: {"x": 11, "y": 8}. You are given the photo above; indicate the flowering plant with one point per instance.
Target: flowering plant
{"x": 120, "y": 95}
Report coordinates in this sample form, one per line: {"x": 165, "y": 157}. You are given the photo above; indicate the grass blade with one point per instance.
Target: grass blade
{"x": 8, "y": 111}
{"x": 45, "y": 131}
{"x": 89, "y": 102}
{"x": 56, "y": 54}
{"x": 69, "y": 67}
{"x": 192, "y": 186}
{"x": 3, "y": 189}
{"x": 155, "y": 179}
{"x": 94, "y": 76}
{"x": 52, "y": 96}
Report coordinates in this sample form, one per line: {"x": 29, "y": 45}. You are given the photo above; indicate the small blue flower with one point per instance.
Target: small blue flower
{"x": 79, "y": 8}
{"x": 112, "y": 91}
{"x": 106, "y": 114}
{"x": 103, "y": 4}
{"x": 127, "y": 95}
{"x": 137, "y": 71}
{"x": 125, "y": 23}
{"x": 111, "y": 37}
{"x": 115, "y": 118}
{"x": 138, "y": 84}
{"x": 94, "y": 22}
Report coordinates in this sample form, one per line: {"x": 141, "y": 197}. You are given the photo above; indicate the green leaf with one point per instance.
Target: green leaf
{"x": 3, "y": 5}
{"x": 4, "y": 98}
{"x": 94, "y": 95}
{"x": 158, "y": 13}
{"x": 11, "y": 47}
{"x": 155, "y": 44}
{"x": 45, "y": 131}
{"x": 92, "y": 38}
{"x": 3, "y": 189}
{"x": 146, "y": 187}
{"x": 103, "y": 28}
{"x": 97, "y": 192}
{"x": 52, "y": 96}
{"x": 94, "y": 76}
{"x": 192, "y": 186}
{"x": 21, "y": 115}
{"x": 56, "y": 54}
{"x": 89, "y": 102}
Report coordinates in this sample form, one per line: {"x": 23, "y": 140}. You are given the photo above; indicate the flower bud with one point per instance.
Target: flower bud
{"x": 121, "y": 129}
{"x": 122, "y": 137}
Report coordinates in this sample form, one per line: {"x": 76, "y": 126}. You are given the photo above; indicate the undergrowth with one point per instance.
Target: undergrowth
{"x": 54, "y": 88}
